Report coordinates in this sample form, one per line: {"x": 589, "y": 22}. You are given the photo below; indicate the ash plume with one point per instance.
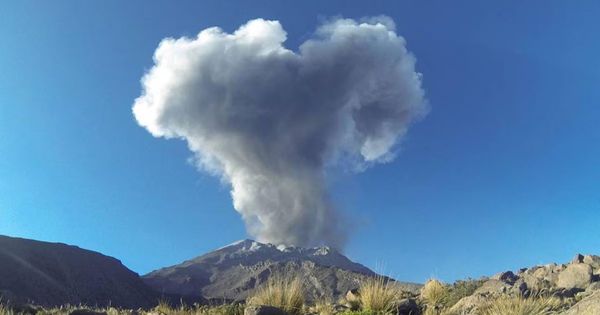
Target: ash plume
{"x": 270, "y": 121}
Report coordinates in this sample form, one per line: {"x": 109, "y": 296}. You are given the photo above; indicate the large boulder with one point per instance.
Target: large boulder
{"x": 588, "y": 306}
{"x": 577, "y": 275}
{"x": 548, "y": 273}
{"x": 536, "y": 284}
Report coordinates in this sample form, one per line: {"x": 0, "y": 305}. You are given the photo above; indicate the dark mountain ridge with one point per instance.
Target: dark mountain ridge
{"x": 53, "y": 274}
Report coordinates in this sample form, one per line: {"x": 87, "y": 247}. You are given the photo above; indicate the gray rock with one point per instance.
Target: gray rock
{"x": 468, "y": 305}
{"x": 494, "y": 286}
{"x": 592, "y": 260}
{"x": 507, "y": 277}
{"x": 520, "y": 288}
{"x": 577, "y": 259}
{"x": 588, "y": 306}
{"x": 522, "y": 270}
{"x": 407, "y": 307}
{"x": 352, "y": 295}
{"x": 565, "y": 293}
{"x": 577, "y": 275}
{"x": 27, "y": 309}
{"x": 548, "y": 273}
{"x": 593, "y": 287}
{"x": 263, "y": 310}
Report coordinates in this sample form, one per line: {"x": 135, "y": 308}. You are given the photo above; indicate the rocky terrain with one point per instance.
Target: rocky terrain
{"x": 234, "y": 271}
{"x": 52, "y": 274}
{"x": 577, "y": 282}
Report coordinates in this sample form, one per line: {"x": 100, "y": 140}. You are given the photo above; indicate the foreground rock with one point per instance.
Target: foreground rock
{"x": 53, "y": 274}
{"x": 469, "y": 305}
{"x": 562, "y": 280}
{"x": 588, "y": 306}
{"x": 407, "y": 306}
{"x": 579, "y": 279}
{"x": 232, "y": 272}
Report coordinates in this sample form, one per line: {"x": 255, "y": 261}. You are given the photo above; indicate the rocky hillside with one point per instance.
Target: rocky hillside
{"x": 576, "y": 282}
{"x": 52, "y": 274}
{"x": 232, "y": 272}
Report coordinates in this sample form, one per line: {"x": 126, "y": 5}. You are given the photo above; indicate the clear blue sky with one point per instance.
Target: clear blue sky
{"x": 503, "y": 173}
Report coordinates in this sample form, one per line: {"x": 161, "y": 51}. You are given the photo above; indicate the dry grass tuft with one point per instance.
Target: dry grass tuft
{"x": 4, "y": 310}
{"x": 379, "y": 295}
{"x": 324, "y": 307}
{"x": 522, "y": 306}
{"x": 434, "y": 294}
{"x": 282, "y": 292}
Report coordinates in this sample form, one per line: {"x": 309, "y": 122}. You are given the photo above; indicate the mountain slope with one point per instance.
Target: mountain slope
{"x": 232, "y": 272}
{"x": 52, "y": 274}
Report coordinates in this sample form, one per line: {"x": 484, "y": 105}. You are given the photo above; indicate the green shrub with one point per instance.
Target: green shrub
{"x": 461, "y": 289}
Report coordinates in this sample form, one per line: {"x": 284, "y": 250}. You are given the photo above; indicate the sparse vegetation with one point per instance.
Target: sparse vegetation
{"x": 379, "y": 295}
{"x": 324, "y": 307}
{"x": 461, "y": 289}
{"x": 282, "y": 292}
{"x": 375, "y": 296}
{"x": 434, "y": 294}
{"x": 163, "y": 308}
{"x": 522, "y": 306}
{"x": 4, "y": 310}
{"x": 357, "y": 312}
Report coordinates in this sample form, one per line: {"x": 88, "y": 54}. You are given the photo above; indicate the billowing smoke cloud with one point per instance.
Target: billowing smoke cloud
{"x": 270, "y": 121}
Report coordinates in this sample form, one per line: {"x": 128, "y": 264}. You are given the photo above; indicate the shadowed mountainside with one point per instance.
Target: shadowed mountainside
{"x": 52, "y": 274}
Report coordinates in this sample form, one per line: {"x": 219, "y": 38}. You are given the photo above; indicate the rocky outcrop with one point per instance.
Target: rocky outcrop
{"x": 563, "y": 280}
{"x": 575, "y": 276}
{"x": 577, "y": 280}
{"x": 494, "y": 287}
{"x": 407, "y": 306}
{"x": 588, "y": 306}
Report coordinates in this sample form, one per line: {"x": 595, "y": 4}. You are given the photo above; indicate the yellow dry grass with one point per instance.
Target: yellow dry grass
{"x": 379, "y": 295}
{"x": 522, "y": 306}
{"x": 282, "y": 292}
{"x": 434, "y": 294}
